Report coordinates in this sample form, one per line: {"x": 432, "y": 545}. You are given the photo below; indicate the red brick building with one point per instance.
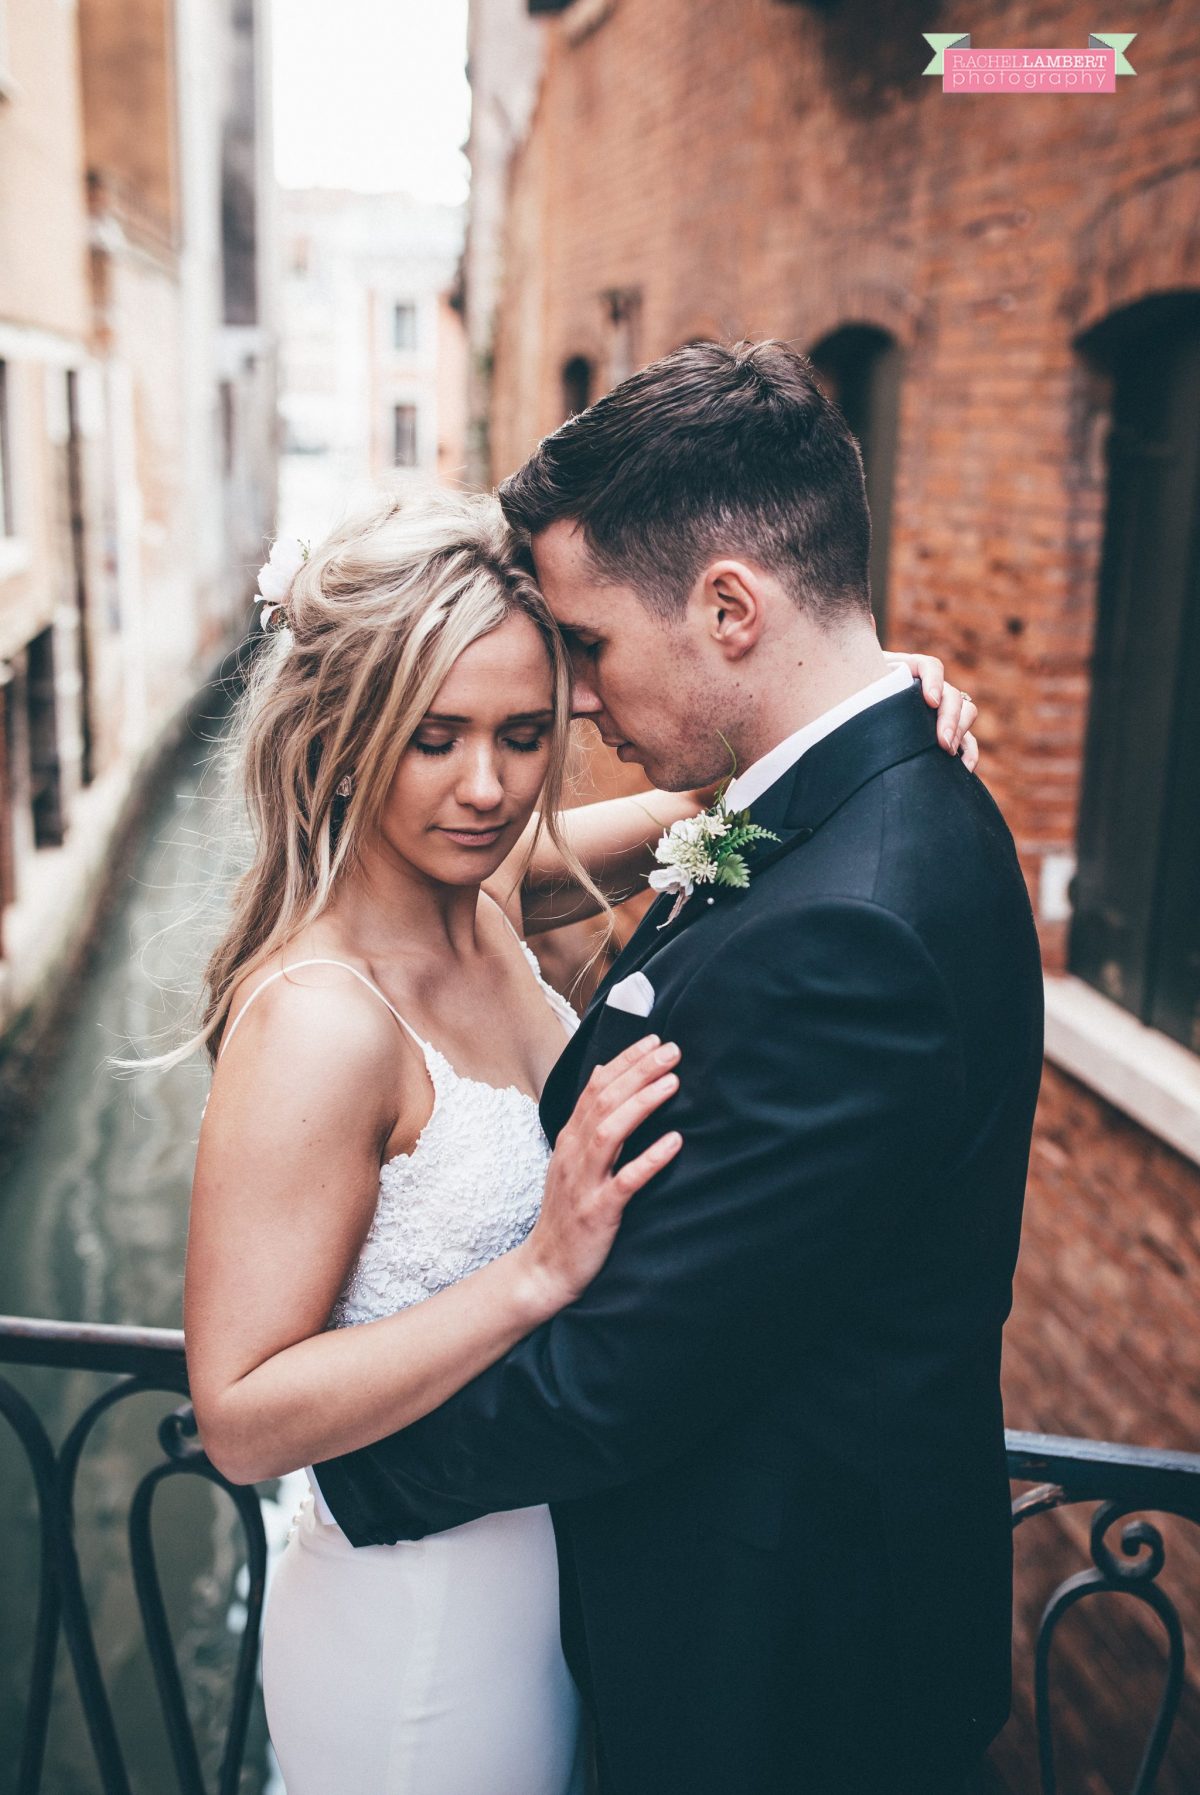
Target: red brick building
{"x": 1004, "y": 291}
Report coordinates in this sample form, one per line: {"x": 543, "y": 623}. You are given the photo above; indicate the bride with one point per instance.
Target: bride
{"x": 376, "y": 1215}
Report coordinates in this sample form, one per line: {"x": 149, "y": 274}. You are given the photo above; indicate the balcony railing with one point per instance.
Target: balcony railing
{"x": 1119, "y": 1483}
{"x": 142, "y": 1359}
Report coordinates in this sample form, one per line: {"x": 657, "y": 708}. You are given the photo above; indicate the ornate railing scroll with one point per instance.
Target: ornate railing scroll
{"x": 141, "y": 1359}
{"x": 1123, "y": 1482}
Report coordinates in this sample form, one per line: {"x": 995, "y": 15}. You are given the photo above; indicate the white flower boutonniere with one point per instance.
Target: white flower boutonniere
{"x": 705, "y": 850}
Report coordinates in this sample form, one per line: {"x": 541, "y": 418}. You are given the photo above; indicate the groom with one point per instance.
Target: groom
{"x": 771, "y": 1428}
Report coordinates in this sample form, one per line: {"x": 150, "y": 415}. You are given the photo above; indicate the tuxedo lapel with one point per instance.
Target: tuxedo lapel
{"x": 558, "y": 1094}
{"x": 562, "y": 1085}
{"x": 654, "y": 931}
{"x": 794, "y": 809}
{"x": 838, "y": 766}
{"x": 641, "y": 943}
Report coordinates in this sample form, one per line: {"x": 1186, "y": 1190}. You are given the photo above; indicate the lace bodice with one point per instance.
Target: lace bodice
{"x": 470, "y": 1189}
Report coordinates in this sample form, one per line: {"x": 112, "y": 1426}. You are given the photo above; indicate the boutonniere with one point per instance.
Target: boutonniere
{"x": 705, "y": 850}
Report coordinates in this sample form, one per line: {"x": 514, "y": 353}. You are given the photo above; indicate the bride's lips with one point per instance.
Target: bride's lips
{"x": 474, "y": 838}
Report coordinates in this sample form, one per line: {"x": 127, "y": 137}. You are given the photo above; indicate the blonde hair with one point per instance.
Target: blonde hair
{"x": 376, "y": 618}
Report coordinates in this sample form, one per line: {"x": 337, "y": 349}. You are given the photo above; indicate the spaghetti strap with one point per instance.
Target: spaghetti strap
{"x": 562, "y": 1009}
{"x": 346, "y": 966}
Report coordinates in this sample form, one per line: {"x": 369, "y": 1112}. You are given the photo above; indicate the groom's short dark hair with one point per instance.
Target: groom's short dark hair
{"x": 714, "y": 449}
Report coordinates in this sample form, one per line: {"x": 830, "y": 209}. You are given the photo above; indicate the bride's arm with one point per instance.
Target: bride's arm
{"x": 287, "y": 1179}
{"x": 614, "y": 839}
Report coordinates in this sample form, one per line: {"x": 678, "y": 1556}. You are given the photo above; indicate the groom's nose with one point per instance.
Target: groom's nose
{"x": 584, "y": 702}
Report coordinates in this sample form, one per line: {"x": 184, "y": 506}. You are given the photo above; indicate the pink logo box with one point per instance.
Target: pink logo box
{"x": 1029, "y": 71}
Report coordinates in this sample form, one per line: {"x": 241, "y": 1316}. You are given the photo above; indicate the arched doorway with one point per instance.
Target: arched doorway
{"x": 576, "y": 385}
{"x": 859, "y": 367}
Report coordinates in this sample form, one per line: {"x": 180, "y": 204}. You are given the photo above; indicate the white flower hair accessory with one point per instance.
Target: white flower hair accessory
{"x": 705, "y": 850}
{"x": 275, "y": 577}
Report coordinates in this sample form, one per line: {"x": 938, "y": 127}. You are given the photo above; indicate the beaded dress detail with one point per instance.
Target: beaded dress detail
{"x": 470, "y": 1189}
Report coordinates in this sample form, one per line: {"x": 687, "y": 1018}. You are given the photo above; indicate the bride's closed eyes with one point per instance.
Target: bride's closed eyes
{"x": 522, "y": 744}
{"x": 530, "y": 747}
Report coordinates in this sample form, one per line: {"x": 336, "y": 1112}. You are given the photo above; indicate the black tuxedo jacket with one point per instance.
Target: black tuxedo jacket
{"x": 771, "y": 1428}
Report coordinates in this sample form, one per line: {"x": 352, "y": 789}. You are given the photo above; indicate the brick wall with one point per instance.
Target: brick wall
{"x": 760, "y": 169}
{"x": 1104, "y": 1343}
{"x": 130, "y": 115}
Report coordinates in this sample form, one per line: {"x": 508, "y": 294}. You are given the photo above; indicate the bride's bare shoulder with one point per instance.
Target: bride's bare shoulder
{"x": 309, "y": 1057}
{"x": 310, "y": 1007}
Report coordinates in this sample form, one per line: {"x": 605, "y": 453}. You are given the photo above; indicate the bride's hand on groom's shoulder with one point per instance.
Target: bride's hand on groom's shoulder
{"x": 585, "y": 1195}
{"x": 956, "y": 711}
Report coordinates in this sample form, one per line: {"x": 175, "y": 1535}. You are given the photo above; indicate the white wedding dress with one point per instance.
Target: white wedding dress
{"x": 432, "y": 1667}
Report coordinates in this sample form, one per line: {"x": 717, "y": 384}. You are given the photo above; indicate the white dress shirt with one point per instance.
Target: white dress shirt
{"x": 749, "y": 786}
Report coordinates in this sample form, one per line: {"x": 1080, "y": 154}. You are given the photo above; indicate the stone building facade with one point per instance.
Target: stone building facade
{"x": 1004, "y": 293}
{"x": 137, "y": 417}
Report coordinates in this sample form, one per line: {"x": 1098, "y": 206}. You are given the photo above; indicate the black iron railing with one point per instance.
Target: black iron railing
{"x": 1121, "y": 1483}
{"x": 142, "y": 1359}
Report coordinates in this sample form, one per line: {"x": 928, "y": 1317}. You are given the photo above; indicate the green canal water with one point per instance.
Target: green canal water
{"x": 93, "y": 1218}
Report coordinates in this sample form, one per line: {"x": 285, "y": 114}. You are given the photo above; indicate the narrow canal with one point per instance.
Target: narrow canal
{"x": 93, "y": 1218}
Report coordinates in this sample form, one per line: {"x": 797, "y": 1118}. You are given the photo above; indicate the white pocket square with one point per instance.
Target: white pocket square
{"x": 635, "y": 995}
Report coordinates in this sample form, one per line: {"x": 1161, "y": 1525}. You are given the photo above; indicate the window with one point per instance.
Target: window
{"x": 1136, "y": 929}
{"x": 859, "y": 368}
{"x": 623, "y": 306}
{"x": 45, "y": 770}
{"x": 228, "y": 401}
{"x": 6, "y": 503}
{"x": 239, "y": 168}
{"x": 404, "y": 326}
{"x": 79, "y": 570}
{"x": 576, "y": 385}
{"x": 404, "y": 435}
{"x": 8, "y": 857}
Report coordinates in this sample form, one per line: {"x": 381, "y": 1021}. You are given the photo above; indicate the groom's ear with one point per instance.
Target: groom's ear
{"x": 732, "y": 598}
